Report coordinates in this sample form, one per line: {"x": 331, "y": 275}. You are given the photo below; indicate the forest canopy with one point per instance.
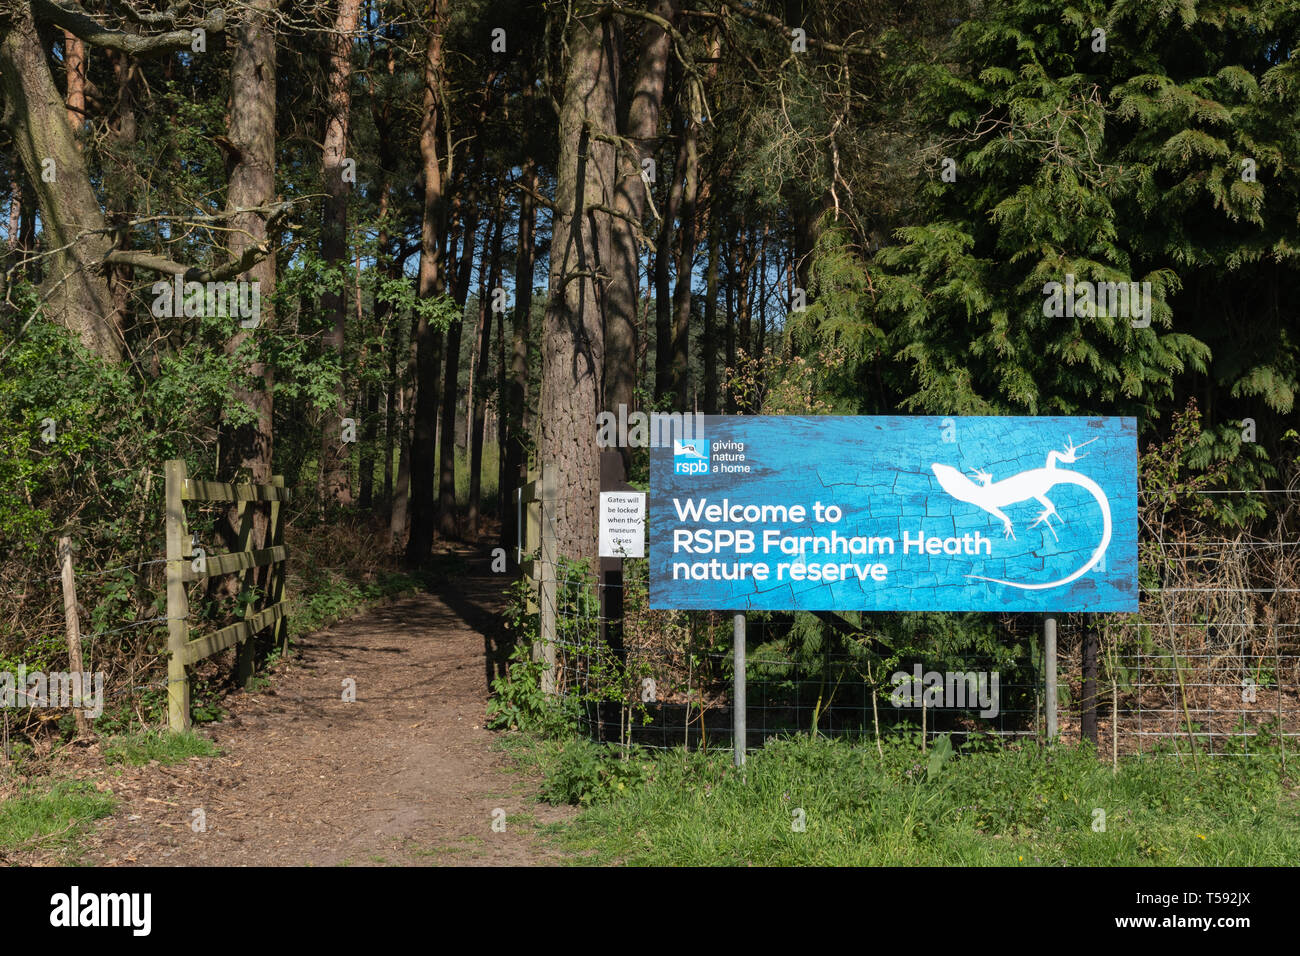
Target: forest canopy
{"x": 381, "y": 248}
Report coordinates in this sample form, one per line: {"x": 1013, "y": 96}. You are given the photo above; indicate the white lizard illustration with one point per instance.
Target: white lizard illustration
{"x": 1034, "y": 483}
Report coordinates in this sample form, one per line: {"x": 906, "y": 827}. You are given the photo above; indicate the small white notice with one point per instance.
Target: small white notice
{"x": 622, "y": 524}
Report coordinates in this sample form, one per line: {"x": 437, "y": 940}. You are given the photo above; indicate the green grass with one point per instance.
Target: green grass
{"x": 488, "y": 488}
{"x": 139, "y": 748}
{"x": 325, "y": 594}
{"x": 997, "y": 806}
{"x": 51, "y": 817}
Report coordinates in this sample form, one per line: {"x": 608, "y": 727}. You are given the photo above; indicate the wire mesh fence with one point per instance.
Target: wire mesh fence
{"x": 1209, "y": 665}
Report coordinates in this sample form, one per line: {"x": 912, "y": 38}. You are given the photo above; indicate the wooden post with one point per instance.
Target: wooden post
{"x": 547, "y": 588}
{"x": 178, "y": 687}
{"x": 246, "y": 651}
{"x": 73, "y": 624}
{"x": 279, "y": 571}
{"x": 611, "y": 569}
{"x": 1088, "y": 711}
{"x": 531, "y": 521}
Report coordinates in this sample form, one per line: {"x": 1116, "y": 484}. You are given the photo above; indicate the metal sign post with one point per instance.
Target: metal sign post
{"x": 738, "y": 695}
{"x": 1049, "y": 675}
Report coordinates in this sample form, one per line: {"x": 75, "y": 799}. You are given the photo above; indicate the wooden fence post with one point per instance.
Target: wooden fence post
{"x": 532, "y": 542}
{"x": 178, "y": 687}
{"x": 547, "y": 589}
{"x": 73, "y": 624}
{"x": 246, "y": 652}
{"x": 279, "y": 571}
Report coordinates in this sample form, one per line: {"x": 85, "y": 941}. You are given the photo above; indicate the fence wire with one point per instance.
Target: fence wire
{"x": 1210, "y": 664}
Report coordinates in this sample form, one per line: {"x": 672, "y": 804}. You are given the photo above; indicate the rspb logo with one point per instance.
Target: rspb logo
{"x": 690, "y": 456}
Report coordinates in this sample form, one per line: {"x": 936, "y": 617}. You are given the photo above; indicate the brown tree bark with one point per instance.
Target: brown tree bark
{"x": 662, "y": 277}
{"x": 729, "y": 289}
{"x": 251, "y": 131}
{"x": 74, "y": 67}
{"x": 400, "y": 514}
{"x": 478, "y": 397}
{"x": 121, "y": 277}
{"x": 690, "y": 174}
{"x": 75, "y": 289}
{"x": 335, "y": 466}
{"x": 573, "y": 351}
{"x": 428, "y": 338}
{"x": 642, "y": 129}
{"x": 450, "y": 391}
{"x": 517, "y": 425}
{"x": 709, "y": 344}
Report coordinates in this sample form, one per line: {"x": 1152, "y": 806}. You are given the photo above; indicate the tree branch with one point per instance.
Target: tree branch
{"x": 147, "y": 260}
{"x": 536, "y": 196}
{"x": 788, "y": 32}
{"x": 73, "y": 17}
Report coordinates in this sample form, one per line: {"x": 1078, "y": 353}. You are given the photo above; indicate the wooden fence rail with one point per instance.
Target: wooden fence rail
{"x": 184, "y": 567}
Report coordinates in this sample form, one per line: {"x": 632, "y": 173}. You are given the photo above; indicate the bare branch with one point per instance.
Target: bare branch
{"x": 145, "y": 260}
{"x": 73, "y": 17}
{"x": 777, "y": 24}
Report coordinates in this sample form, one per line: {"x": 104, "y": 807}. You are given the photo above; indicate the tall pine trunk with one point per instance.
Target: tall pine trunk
{"x": 621, "y": 347}
{"x": 662, "y": 276}
{"x": 573, "y": 350}
{"x": 427, "y": 338}
{"x": 709, "y": 344}
{"x": 251, "y": 132}
{"x": 517, "y": 424}
{"x": 478, "y": 396}
{"x": 335, "y": 468}
{"x": 690, "y": 175}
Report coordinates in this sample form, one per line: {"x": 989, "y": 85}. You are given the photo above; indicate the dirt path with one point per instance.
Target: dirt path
{"x": 406, "y": 775}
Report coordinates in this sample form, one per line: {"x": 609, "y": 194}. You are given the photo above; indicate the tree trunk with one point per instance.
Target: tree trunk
{"x": 118, "y": 199}
{"x": 451, "y": 379}
{"x": 502, "y": 482}
{"x": 762, "y": 294}
{"x": 709, "y": 339}
{"x": 515, "y": 452}
{"x": 335, "y": 467}
{"x": 743, "y": 301}
{"x": 729, "y": 293}
{"x": 400, "y": 515}
{"x": 74, "y": 66}
{"x": 690, "y": 174}
{"x": 573, "y": 341}
{"x": 75, "y": 289}
{"x": 428, "y": 338}
{"x": 252, "y": 184}
{"x": 388, "y": 338}
{"x": 391, "y": 417}
{"x": 663, "y": 290}
{"x": 478, "y": 397}
{"x": 647, "y": 95}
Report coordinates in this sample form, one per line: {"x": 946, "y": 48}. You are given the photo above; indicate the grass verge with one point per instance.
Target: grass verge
{"x": 51, "y": 816}
{"x": 812, "y": 801}
{"x": 140, "y": 748}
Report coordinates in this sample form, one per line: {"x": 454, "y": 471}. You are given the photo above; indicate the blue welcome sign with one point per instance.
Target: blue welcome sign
{"x": 896, "y": 513}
